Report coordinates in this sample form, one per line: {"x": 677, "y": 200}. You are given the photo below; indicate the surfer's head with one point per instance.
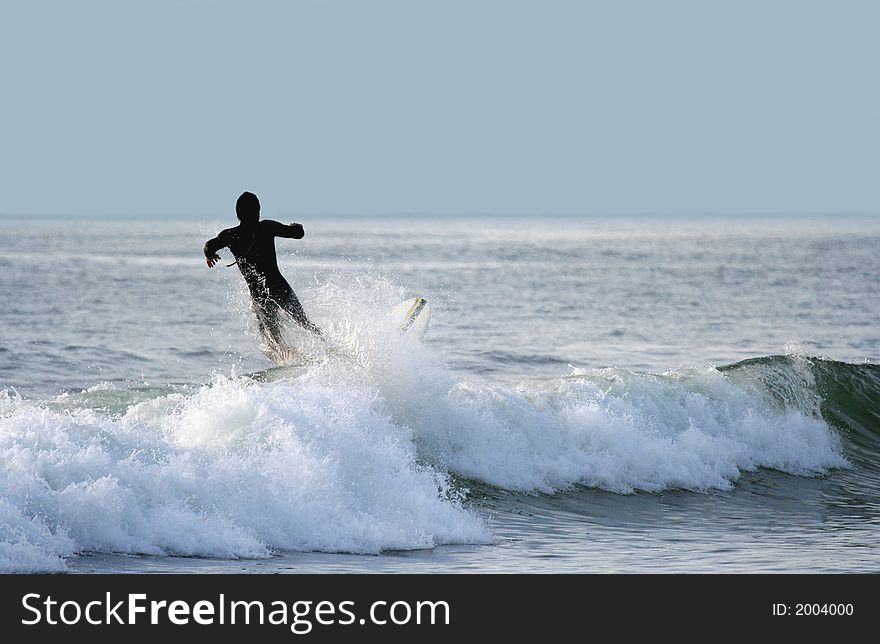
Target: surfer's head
{"x": 248, "y": 208}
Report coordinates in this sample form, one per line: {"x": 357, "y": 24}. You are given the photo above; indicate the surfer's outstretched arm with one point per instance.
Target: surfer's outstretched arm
{"x": 213, "y": 245}
{"x": 291, "y": 231}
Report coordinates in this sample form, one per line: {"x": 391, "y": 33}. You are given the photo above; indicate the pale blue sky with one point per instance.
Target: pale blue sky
{"x": 452, "y": 106}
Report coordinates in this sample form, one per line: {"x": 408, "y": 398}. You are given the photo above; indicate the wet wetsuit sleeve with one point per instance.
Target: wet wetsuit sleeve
{"x": 277, "y": 229}
{"x": 220, "y": 241}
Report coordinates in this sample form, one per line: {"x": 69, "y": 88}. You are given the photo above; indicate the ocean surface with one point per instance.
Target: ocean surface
{"x": 594, "y": 394}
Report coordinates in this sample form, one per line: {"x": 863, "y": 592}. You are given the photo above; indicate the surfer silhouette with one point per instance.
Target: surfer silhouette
{"x": 252, "y": 243}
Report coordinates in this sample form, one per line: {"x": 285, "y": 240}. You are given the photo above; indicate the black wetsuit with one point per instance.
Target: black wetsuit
{"x": 253, "y": 246}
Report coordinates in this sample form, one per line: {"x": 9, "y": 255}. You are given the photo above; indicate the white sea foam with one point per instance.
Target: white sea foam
{"x": 353, "y": 453}
{"x": 623, "y": 432}
{"x": 239, "y": 469}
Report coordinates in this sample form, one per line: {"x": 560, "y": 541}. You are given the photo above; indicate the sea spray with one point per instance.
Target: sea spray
{"x": 238, "y": 469}
{"x": 355, "y": 448}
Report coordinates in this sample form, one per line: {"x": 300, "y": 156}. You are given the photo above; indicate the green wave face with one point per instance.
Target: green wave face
{"x": 846, "y": 395}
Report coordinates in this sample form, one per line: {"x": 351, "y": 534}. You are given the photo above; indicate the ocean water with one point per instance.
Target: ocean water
{"x": 632, "y": 394}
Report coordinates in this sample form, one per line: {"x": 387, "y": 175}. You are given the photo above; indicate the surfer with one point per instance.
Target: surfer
{"x": 252, "y": 243}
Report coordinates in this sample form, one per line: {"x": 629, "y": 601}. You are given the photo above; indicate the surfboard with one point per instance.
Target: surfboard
{"x": 411, "y": 317}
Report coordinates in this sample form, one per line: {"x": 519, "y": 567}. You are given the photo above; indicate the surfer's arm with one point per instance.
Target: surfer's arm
{"x": 213, "y": 245}
{"x": 291, "y": 231}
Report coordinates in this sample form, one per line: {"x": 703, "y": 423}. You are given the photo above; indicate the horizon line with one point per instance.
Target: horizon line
{"x": 425, "y": 214}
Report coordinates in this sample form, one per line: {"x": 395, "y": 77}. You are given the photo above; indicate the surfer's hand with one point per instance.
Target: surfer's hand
{"x": 212, "y": 259}
{"x": 298, "y": 231}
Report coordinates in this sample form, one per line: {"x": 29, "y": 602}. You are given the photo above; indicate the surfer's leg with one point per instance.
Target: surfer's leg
{"x": 288, "y": 301}
{"x": 267, "y": 320}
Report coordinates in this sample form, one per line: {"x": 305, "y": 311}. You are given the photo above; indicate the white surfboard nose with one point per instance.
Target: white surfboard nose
{"x": 412, "y": 317}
